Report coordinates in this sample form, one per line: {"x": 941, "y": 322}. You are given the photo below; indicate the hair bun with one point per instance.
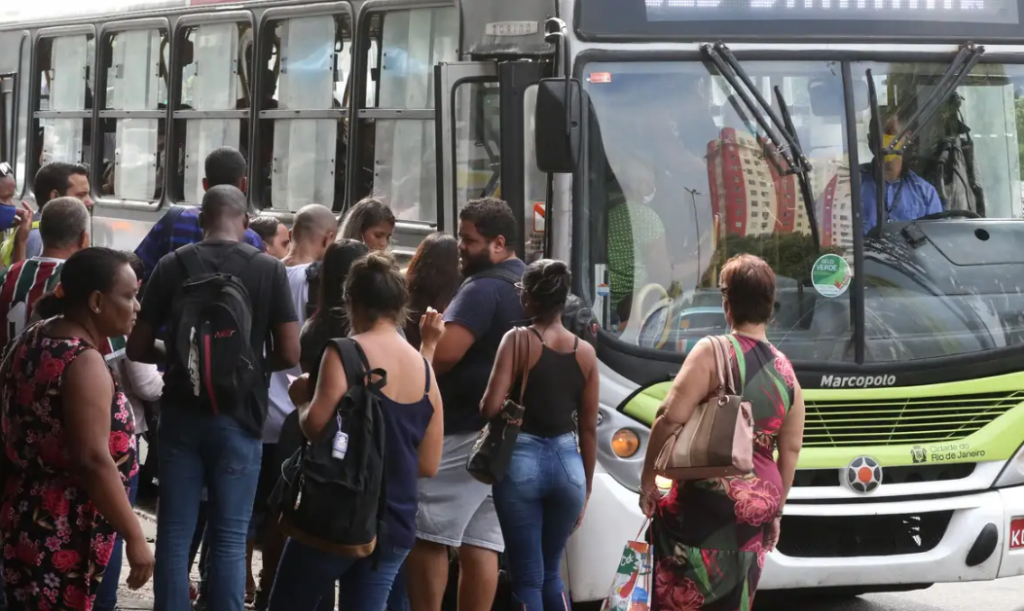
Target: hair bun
{"x": 554, "y": 269}
{"x": 379, "y": 262}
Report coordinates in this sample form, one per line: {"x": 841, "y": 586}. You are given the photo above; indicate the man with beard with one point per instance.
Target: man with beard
{"x": 456, "y": 510}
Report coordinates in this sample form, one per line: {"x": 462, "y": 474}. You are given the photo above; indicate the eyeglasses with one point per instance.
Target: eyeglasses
{"x": 6, "y": 169}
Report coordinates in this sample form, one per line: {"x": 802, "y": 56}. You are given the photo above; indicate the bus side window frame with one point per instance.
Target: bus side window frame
{"x": 22, "y": 114}
{"x": 8, "y": 116}
{"x": 33, "y": 161}
{"x": 366, "y": 115}
{"x": 179, "y": 118}
{"x": 268, "y": 22}
{"x": 111, "y": 29}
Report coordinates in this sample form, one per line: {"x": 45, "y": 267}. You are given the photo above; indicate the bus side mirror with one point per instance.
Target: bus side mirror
{"x": 557, "y": 128}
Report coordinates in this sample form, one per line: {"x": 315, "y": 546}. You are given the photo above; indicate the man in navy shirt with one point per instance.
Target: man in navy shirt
{"x": 908, "y": 197}
{"x": 455, "y": 510}
{"x": 180, "y": 226}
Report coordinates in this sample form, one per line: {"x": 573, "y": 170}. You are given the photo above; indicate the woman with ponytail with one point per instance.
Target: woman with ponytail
{"x": 375, "y": 301}
{"x": 543, "y": 496}
{"x": 69, "y": 442}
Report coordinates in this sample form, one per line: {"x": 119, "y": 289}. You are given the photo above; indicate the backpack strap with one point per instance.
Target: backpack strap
{"x": 188, "y": 257}
{"x": 497, "y": 272}
{"x": 239, "y": 258}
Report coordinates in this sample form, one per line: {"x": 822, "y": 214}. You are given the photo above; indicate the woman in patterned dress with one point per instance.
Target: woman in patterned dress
{"x": 711, "y": 536}
{"x": 69, "y": 443}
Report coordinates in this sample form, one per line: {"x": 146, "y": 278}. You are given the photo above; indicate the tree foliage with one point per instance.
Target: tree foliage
{"x": 790, "y": 254}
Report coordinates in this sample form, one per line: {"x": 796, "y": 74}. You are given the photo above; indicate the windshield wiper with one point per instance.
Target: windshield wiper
{"x": 958, "y": 71}
{"x": 780, "y": 131}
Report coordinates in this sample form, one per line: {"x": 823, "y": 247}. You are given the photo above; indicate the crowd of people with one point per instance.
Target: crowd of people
{"x": 74, "y": 406}
{"x": 251, "y": 342}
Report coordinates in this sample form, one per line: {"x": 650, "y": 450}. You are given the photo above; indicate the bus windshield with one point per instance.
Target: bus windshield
{"x": 680, "y": 177}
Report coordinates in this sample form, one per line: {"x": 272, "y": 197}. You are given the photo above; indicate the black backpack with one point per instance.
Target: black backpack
{"x": 211, "y": 327}
{"x": 337, "y": 505}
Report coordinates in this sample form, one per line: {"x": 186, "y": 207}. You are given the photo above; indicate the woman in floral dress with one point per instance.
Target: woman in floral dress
{"x": 711, "y": 536}
{"x": 69, "y": 443}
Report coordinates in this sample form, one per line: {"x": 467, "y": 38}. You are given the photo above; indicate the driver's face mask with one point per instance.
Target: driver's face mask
{"x": 886, "y": 141}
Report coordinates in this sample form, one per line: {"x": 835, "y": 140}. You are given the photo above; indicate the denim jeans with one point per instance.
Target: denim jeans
{"x": 398, "y": 600}
{"x": 539, "y": 500}
{"x": 197, "y": 449}
{"x": 305, "y": 575}
{"x": 106, "y": 596}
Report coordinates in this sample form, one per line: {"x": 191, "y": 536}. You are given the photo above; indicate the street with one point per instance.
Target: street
{"x": 1005, "y": 595}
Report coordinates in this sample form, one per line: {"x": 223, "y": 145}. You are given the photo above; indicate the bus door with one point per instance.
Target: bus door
{"x": 485, "y": 143}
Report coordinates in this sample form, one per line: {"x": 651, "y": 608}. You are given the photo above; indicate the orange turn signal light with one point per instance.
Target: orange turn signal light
{"x": 625, "y": 443}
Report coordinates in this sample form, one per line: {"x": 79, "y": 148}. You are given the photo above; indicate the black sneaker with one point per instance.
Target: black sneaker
{"x": 262, "y": 600}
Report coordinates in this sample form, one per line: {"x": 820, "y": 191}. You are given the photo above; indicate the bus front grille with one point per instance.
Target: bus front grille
{"x": 834, "y": 424}
{"x": 856, "y": 536}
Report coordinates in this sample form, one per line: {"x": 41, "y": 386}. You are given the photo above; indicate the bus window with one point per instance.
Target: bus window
{"x": 397, "y": 160}
{"x": 536, "y": 182}
{"x": 301, "y": 158}
{"x": 132, "y": 120}
{"x": 966, "y": 160}
{"x": 681, "y": 178}
{"x": 212, "y": 81}
{"x": 21, "y": 133}
{"x": 477, "y": 141}
{"x": 6, "y": 115}
{"x": 65, "y": 65}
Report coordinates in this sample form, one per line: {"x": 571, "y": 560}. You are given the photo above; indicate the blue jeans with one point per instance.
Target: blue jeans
{"x": 106, "y": 596}
{"x": 305, "y": 575}
{"x": 197, "y": 449}
{"x": 398, "y": 600}
{"x": 539, "y": 500}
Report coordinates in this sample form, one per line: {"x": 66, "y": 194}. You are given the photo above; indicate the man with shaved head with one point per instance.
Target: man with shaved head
{"x": 313, "y": 230}
{"x": 219, "y": 447}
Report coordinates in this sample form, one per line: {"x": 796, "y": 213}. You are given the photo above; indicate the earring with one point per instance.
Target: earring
{"x": 97, "y": 310}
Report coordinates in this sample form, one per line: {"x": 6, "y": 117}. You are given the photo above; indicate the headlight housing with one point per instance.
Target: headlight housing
{"x": 1013, "y": 472}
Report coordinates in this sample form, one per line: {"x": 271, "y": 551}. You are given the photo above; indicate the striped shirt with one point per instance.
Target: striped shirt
{"x": 177, "y": 228}
{"x": 23, "y": 284}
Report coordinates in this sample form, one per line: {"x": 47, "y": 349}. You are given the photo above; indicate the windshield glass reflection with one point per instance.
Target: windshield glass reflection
{"x": 681, "y": 178}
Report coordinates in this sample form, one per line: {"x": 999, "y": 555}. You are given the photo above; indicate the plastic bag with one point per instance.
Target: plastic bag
{"x": 631, "y": 586}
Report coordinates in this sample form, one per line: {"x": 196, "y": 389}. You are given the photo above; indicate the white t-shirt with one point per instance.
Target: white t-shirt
{"x": 280, "y": 404}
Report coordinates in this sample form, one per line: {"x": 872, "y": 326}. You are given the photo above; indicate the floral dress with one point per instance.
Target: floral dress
{"x": 709, "y": 535}
{"x": 56, "y": 545}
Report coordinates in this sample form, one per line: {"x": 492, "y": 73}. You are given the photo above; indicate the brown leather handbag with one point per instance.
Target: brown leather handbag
{"x": 718, "y": 439}
{"x": 492, "y": 453}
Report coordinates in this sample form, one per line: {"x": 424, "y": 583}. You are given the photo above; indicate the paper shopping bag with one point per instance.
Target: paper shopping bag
{"x": 630, "y": 590}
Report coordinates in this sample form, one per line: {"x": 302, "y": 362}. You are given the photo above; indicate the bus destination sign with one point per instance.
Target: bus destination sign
{"x": 951, "y": 11}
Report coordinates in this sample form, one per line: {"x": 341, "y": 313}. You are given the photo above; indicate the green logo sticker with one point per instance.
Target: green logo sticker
{"x": 831, "y": 275}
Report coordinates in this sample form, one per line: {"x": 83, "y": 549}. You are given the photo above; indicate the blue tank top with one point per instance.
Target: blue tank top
{"x": 404, "y": 426}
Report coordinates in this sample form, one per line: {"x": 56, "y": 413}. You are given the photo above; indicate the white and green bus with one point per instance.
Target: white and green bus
{"x": 645, "y": 141}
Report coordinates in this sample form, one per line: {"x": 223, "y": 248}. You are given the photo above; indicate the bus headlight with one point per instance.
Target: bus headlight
{"x": 1013, "y": 472}
{"x": 625, "y": 443}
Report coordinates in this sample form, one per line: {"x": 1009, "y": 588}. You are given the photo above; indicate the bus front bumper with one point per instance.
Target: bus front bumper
{"x": 980, "y": 522}
{"x": 965, "y": 538}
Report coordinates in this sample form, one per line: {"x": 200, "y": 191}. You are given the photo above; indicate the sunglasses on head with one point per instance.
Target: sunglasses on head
{"x": 6, "y": 169}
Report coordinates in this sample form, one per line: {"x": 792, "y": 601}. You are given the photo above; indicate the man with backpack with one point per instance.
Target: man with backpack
{"x": 230, "y": 322}
{"x": 456, "y": 510}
